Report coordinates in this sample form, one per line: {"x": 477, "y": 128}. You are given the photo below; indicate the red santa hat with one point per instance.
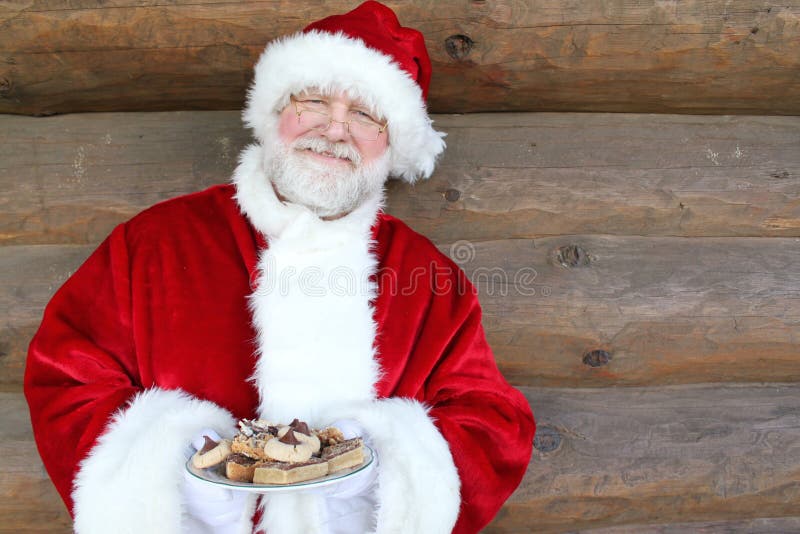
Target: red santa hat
{"x": 369, "y": 55}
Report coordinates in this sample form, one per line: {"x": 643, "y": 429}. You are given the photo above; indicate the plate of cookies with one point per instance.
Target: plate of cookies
{"x": 265, "y": 457}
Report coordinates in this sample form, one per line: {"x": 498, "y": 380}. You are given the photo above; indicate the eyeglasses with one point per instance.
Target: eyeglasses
{"x": 315, "y": 115}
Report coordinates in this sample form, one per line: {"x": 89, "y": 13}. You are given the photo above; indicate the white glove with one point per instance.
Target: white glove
{"x": 362, "y": 482}
{"x": 351, "y": 505}
{"x": 211, "y": 509}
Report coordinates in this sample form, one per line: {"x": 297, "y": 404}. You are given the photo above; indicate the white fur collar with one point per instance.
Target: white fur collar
{"x": 312, "y": 306}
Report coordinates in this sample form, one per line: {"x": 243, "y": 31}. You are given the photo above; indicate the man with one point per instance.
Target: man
{"x": 285, "y": 295}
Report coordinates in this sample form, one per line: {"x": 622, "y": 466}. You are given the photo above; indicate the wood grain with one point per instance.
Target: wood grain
{"x": 502, "y": 55}
{"x": 70, "y": 179}
{"x": 29, "y": 503}
{"x": 659, "y": 455}
{"x": 665, "y": 310}
{"x": 614, "y": 458}
{"x": 29, "y": 276}
{"x": 771, "y": 525}
{"x": 532, "y": 175}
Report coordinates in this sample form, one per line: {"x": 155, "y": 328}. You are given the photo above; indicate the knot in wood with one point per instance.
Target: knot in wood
{"x": 5, "y": 87}
{"x": 572, "y": 256}
{"x": 452, "y": 195}
{"x": 547, "y": 439}
{"x": 458, "y": 46}
{"x": 596, "y": 358}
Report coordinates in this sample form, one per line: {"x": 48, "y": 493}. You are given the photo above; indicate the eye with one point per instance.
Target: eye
{"x": 363, "y": 115}
{"x": 314, "y": 104}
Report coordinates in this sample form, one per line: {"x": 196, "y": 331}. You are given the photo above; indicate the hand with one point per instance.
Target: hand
{"x": 350, "y": 505}
{"x": 212, "y": 509}
{"x": 361, "y": 482}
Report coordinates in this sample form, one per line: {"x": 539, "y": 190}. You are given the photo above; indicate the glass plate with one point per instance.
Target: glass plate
{"x": 216, "y": 476}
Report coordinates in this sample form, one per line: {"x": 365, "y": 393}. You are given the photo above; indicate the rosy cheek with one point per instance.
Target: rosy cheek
{"x": 288, "y": 129}
{"x": 374, "y": 150}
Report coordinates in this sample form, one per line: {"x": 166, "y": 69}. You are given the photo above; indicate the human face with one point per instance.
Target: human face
{"x": 341, "y": 108}
{"x": 329, "y": 172}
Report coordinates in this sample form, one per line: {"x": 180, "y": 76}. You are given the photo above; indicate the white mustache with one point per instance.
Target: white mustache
{"x": 321, "y": 146}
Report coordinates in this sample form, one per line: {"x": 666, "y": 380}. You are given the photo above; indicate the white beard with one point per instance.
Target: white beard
{"x": 326, "y": 190}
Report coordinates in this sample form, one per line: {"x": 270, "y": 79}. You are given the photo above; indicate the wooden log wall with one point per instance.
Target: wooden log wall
{"x": 656, "y": 252}
{"x": 639, "y": 273}
{"x": 688, "y": 56}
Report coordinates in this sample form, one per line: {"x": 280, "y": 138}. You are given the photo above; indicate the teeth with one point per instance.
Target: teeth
{"x": 327, "y": 154}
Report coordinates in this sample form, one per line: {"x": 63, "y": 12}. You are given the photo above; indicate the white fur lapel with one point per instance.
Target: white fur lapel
{"x": 315, "y": 336}
{"x": 312, "y": 306}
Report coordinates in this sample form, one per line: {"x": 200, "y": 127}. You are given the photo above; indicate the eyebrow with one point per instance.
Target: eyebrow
{"x": 355, "y": 106}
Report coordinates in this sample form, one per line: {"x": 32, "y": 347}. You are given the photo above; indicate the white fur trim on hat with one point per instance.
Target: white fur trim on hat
{"x": 330, "y": 62}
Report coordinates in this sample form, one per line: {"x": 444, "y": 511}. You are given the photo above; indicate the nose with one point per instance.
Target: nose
{"x": 338, "y": 129}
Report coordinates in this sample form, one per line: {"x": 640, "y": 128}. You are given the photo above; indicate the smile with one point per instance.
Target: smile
{"x": 327, "y": 156}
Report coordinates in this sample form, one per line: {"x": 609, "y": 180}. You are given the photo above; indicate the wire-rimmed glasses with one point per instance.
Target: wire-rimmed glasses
{"x": 315, "y": 115}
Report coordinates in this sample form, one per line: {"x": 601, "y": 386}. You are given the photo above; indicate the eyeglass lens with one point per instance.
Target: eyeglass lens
{"x": 317, "y": 120}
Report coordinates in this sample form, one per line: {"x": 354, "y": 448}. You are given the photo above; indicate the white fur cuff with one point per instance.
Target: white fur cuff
{"x": 130, "y": 482}
{"x": 418, "y": 484}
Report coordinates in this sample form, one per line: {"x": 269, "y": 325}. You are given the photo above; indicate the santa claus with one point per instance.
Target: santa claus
{"x": 286, "y": 294}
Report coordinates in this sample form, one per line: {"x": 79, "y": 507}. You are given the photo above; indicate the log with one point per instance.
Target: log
{"x": 531, "y": 175}
{"x": 30, "y": 502}
{"x": 769, "y": 525}
{"x": 613, "y": 458}
{"x": 607, "y": 310}
{"x": 628, "y": 456}
{"x": 29, "y": 276}
{"x": 504, "y": 55}
{"x": 567, "y": 311}
{"x": 70, "y": 179}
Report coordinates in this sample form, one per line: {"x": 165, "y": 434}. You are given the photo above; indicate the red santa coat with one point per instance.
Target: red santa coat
{"x": 153, "y": 339}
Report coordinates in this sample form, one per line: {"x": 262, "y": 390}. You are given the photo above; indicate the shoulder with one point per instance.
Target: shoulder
{"x": 200, "y": 204}
{"x": 189, "y": 214}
